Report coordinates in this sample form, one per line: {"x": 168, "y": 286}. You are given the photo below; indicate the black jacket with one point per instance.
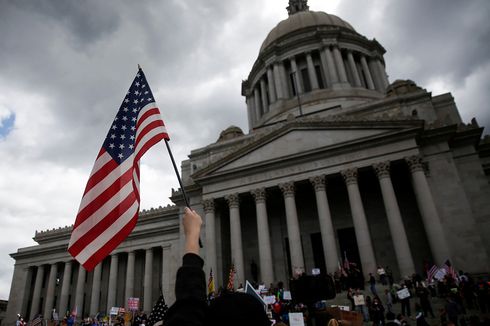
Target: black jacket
{"x": 190, "y": 306}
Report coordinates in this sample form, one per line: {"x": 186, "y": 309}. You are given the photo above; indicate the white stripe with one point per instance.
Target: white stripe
{"x": 106, "y": 182}
{"x": 108, "y": 234}
{"x": 148, "y": 120}
{"x": 147, "y": 138}
{"x": 102, "y": 212}
{"x": 100, "y": 162}
{"x": 136, "y": 181}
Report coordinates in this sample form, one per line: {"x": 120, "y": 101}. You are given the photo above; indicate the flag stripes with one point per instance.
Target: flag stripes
{"x": 110, "y": 204}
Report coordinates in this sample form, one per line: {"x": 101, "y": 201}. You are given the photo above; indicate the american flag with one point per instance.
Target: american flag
{"x": 450, "y": 270}
{"x": 110, "y": 204}
{"x": 37, "y": 321}
{"x": 431, "y": 272}
{"x": 158, "y": 312}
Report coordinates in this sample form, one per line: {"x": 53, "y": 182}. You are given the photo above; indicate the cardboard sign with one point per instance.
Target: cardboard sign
{"x": 296, "y": 319}
{"x": 286, "y": 295}
{"x": 133, "y": 303}
{"x": 359, "y": 300}
{"x": 403, "y": 293}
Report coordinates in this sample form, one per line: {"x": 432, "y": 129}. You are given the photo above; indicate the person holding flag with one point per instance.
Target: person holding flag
{"x": 190, "y": 307}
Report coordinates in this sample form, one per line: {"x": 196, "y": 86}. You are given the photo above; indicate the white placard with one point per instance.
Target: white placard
{"x": 359, "y": 300}
{"x": 403, "y": 293}
{"x": 286, "y": 295}
{"x": 439, "y": 275}
{"x": 114, "y": 310}
{"x": 315, "y": 271}
{"x": 270, "y": 299}
{"x": 296, "y": 319}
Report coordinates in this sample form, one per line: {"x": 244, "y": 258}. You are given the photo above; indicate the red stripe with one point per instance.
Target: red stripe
{"x": 102, "y": 225}
{"x": 100, "y": 175}
{"x": 152, "y": 141}
{"x": 105, "y": 196}
{"x": 136, "y": 191}
{"x": 146, "y": 115}
{"x": 149, "y": 127}
{"x": 98, "y": 256}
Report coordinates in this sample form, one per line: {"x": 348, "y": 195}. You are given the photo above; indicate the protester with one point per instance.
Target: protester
{"x": 382, "y": 275}
{"x": 372, "y": 284}
{"x": 419, "y": 316}
{"x": 190, "y": 307}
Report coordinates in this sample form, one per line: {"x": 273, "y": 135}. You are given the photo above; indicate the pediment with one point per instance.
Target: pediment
{"x": 301, "y": 140}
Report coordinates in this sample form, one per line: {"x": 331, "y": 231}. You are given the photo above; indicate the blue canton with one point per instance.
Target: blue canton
{"x": 120, "y": 141}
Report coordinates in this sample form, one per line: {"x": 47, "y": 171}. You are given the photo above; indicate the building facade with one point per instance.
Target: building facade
{"x": 337, "y": 162}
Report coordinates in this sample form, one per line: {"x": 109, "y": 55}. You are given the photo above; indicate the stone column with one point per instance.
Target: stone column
{"x": 284, "y": 80}
{"x": 80, "y": 289}
{"x": 263, "y": 94}
{"x": 236, "y": 237}
{"x": 148, "y": 286}
{"x": 326, "y": 225}
{"x": 373, "y": 67}
{"x": 295, "y": 247}
{"x": 65, "y": 288}
{"x": 339, "y": 62}
{"x": 367, "y": 73}
{"x": 353, "y": 68}
{"x": 297, "y": 76}
{"x": 166, "y": 270}
{"x": 323, "y": 59}
{"x": 277, "y": 81}
{"x": 265, "y": 250}
{"x": 258, "y": 111}
{"x": 95, "y": 295}
{"x": 112, "y": 288}
{"x": 210, "y": 228}
{"x": 48, "y": 306}
{"x": 311, "y": 71}
{"x": 395, "y": 222}
{"x": 272, "y": 89}
{"x": 361, "y": 228}
{"x": 428, "y": 211}
{"x": 382, "y": 74}
{"x": 129, "y": 288}
{"x": 36, "y": 295}
{"x": 332, "y": 72}
{"x": 250, "y": 111}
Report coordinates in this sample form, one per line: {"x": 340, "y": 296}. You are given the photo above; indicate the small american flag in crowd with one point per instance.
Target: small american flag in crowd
{"x": 110, "y": 204}
{"x": 231, "y": 279}
{"x": 158, "y": 312}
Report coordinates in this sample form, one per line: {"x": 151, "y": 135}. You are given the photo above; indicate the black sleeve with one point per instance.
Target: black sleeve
{"x": 190, "y": 292}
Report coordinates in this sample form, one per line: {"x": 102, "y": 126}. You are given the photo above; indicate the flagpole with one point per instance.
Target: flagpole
{"x": 186, "y": 199}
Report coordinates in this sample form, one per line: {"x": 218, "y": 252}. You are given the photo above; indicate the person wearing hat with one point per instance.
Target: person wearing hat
{"x": 191, "y": 308}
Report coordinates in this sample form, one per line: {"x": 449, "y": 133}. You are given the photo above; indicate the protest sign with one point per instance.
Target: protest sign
{"x": 133, "y": 303}
{"x": 403, "y": 293}
{"x": 296, "y": 319}
{"x": 286, "y": 295}
{"x": 359, "y": 300}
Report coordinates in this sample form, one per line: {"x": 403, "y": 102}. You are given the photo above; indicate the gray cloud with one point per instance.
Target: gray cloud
{"x": 66, "y": 66}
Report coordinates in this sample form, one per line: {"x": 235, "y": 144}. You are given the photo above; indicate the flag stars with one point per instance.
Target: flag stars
{"x": 131, "y": 146}
{"x": 120, "y": 156}
{"x": 122, "y": 137}
{"x": 124, "y": 127}
{"x": 121, "y": 146}
{"x": 126, "y": 100}
{"x": 136, "y": 93}
{"x": 125, "y": 109}
{"x": 111, "y": 146}
{"x": 114, "y": 127}
{"x": 113, "y": 136}
{"x": 135, "y": 101}
{"x": 135, "y": 110}
{"x": 131, "y": 137}
{"x": 133, "y": 119}
{"x": 137, "y": 83}
{"x": 125, "y": 118}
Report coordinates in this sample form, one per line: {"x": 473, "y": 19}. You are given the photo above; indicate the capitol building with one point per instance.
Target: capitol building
{"x": 338, "y": 161}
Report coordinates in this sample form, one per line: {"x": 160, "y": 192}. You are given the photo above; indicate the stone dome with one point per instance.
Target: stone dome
{"x": 230, "y": 133}
{"x": 303, "y": 19}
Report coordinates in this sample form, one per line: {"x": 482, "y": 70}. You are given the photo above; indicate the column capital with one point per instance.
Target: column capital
{"x": 382, "y": 169}
{"x": 414, "y": 163}
{"x": 259, "y": 195}
{"x": 208, "y": 205}
{"x": 233, "y": 200}
{"x": 318, "y": 182}
{"x": 287, "y": 189}
{"x": 350, "y": 176}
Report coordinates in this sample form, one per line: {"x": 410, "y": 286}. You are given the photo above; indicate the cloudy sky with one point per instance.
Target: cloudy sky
{"x": 66, "y": 65}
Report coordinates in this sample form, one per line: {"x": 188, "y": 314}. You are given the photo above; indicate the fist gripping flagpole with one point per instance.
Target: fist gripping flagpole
{"x": 186, "y": 199}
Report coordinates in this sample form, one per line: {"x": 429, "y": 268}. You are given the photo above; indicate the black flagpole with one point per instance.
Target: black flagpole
{"x": 186, "y": 199}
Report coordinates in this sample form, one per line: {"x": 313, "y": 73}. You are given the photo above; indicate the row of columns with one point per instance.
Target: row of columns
{"x": 96, "y": 284}
{"x": 274, "y": 84}
{"x": 401, "y": 245}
